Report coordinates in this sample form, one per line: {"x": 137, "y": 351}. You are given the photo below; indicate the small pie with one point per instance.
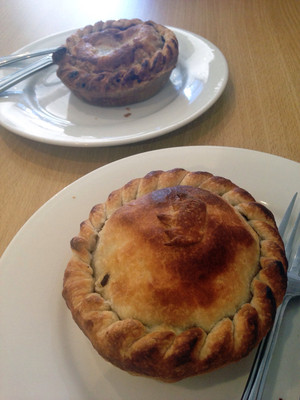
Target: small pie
{"x": 116, "y": 63}
{"x": 176, "y": 274}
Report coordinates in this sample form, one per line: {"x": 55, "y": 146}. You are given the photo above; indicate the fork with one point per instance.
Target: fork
{"x": 16, "y": 77}
{"x": 256, "y": 381}
{"x": 7, "y": 60}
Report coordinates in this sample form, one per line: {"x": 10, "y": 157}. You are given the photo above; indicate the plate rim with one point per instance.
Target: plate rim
{"x": 138, "y": 136}
{"x": 153, "y": 152}
{"x": 133, "y": 161}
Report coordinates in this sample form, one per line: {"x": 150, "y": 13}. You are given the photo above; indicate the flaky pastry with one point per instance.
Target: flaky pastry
{"x": 176, "y": 274}
{"x": 116, "y": 63}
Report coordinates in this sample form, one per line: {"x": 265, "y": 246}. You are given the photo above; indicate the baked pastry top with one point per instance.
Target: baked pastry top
{"x": 115, "y": 63}
{"x": 176, "y": 274}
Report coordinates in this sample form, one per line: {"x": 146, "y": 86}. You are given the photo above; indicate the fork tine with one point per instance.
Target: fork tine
{"x": 286, "y": 217}
{"x": 296, "y": 263}
{"x": 256, "y": 380}
{"x": 289, "y": 245}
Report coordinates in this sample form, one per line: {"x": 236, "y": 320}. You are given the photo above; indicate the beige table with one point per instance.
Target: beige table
{"x": 259, "y": 109}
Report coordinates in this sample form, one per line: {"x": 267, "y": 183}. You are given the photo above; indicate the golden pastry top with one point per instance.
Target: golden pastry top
{"x": 179, "y": 257}
{"x": 116, "y": 48}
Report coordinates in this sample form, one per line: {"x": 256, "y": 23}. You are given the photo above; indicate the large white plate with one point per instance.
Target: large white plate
{"x": 43, "y": 109}
{"x": 44, "y": 355}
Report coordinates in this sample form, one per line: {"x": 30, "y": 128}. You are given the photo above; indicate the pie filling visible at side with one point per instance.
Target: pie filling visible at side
{"x": 176, "y": 274}
{"x": 117, "y": 63}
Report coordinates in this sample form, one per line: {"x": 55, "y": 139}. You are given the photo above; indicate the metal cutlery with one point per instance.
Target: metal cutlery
{"x": 11, "y": 79}
{"x": 14, "y": 78}
{"x": 7, "y": 60}
{"x": 256, "y": 381}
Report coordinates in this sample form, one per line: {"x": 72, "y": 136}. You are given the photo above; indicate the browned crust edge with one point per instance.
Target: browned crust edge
{"x": 165, "y": 354}
{"x": 110, "y": 88}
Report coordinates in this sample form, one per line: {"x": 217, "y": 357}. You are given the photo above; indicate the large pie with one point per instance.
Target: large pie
{"x": 116, "y": 63}
{"x": 176, "y": 274}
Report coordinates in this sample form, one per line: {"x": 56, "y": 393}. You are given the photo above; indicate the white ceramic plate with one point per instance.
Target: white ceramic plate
{"x": 43, "y": 109}
{"x": 44, "y": 355}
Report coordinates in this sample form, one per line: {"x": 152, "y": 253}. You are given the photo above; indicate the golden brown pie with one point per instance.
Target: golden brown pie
{"x": 176, "y": 274}
{"x": 117, "y": 63}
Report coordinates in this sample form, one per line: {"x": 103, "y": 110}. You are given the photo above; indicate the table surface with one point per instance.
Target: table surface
{"x": 259, "y": 109}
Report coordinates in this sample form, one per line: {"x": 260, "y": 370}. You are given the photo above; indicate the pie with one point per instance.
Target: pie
{"x": 116, "y": 63}
{"x": 176, "y": 274}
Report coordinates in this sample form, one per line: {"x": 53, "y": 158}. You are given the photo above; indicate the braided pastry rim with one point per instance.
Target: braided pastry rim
{"x": 126, "y": 85}
{"x": 171, "y": 356}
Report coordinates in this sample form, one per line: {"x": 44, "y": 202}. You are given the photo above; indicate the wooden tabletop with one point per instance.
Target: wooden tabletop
{"x": 259, "y": 109}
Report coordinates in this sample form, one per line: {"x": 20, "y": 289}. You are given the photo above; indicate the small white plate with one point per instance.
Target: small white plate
{"x": 43, "y": 109}
{"x": 44, "y": 355}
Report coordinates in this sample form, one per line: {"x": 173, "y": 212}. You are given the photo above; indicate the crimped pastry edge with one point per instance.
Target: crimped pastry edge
{"x": 115, "y": 88}
{"x": 163, "y": 353}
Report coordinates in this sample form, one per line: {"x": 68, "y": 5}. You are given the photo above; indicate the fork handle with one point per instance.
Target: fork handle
{"x": 7, "y": 60}
{"x": 255, "y": 384}
{"x": 12, "y": 79}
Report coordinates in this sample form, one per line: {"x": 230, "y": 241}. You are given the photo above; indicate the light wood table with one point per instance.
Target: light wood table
{"x": 259, "y": 109}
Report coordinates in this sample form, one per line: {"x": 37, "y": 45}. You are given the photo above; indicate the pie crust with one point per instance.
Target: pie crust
{"x": 176, "y": 274}
{"x": 116, "y": 63}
